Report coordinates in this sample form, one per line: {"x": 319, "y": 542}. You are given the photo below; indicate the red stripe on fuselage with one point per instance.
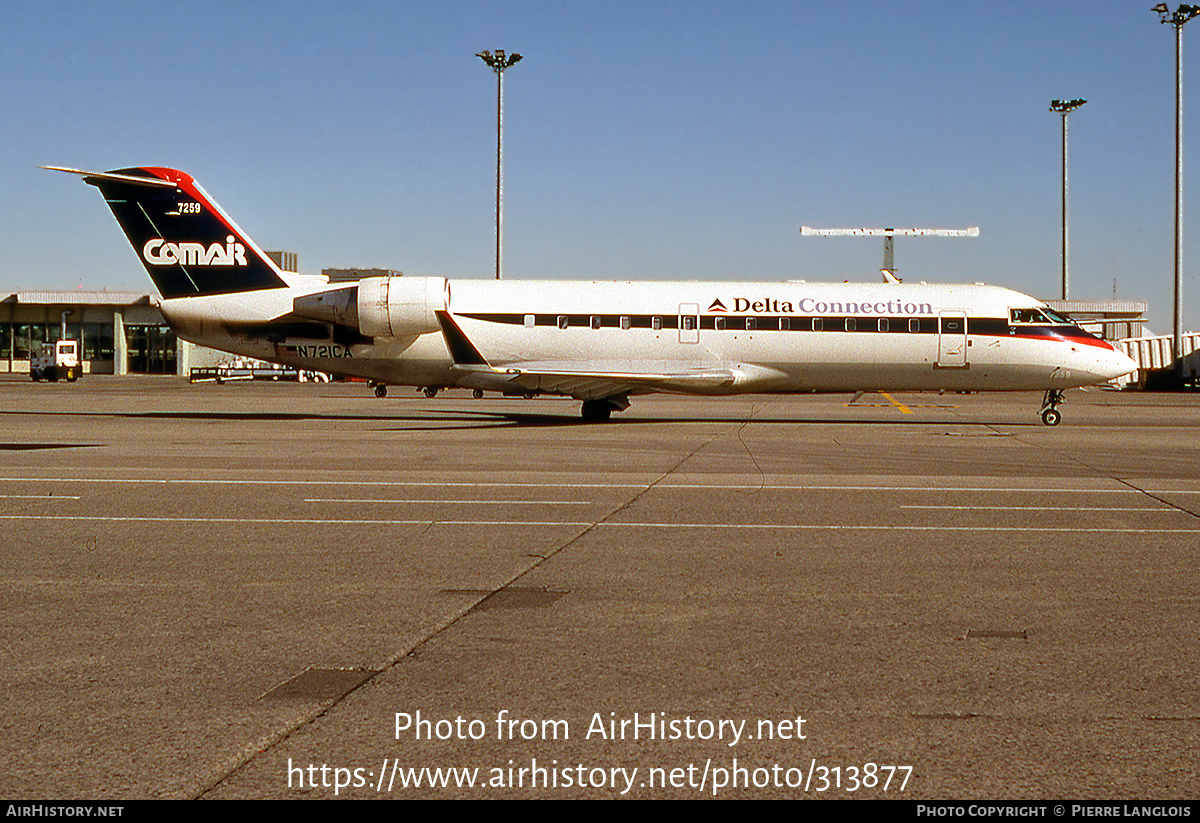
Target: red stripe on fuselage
{"x": 1064, "y": 335}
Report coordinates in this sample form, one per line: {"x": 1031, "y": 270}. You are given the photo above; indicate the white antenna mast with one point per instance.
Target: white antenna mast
{"x": 889, "y": 260}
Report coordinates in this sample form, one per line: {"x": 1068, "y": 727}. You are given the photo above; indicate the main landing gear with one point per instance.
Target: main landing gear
{"x": 597, "y": 411}
{"x": 1051, "y": 416}
{"x": 381, "y": 390}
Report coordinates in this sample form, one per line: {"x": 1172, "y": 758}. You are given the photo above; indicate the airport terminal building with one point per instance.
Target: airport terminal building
{"x": 120, "y": 332}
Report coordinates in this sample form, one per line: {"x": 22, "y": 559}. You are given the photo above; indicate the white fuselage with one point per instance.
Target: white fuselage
{"x": 768, "y": 337}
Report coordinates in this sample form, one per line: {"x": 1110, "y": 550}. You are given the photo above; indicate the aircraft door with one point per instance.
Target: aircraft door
{"x": 952, "y": 339}
{"x": 689, "y": 323}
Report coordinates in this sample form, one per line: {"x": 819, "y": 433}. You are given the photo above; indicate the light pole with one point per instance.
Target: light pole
{"x": 1177, "y": 18}
{"x": 1063, "y": 108}
{"x": 498, "y": 63}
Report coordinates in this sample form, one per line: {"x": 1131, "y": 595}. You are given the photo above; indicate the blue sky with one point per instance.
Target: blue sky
{"x": 643, "y": 140}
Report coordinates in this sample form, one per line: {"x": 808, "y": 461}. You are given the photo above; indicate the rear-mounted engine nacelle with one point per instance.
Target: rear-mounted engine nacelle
{"x": 401, "y": 306}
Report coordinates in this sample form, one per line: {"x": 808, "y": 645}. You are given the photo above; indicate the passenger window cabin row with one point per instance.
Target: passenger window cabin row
{"x": 688, "y": 323}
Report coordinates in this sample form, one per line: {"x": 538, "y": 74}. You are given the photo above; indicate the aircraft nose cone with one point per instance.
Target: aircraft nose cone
{"x": 1117, "y": 364}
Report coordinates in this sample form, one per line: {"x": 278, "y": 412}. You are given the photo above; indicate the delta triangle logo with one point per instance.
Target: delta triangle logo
{"x": 717, "y": 305}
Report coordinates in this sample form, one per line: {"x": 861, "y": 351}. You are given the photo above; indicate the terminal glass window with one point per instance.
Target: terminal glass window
{"x": 97, "y": 341}
{"x": 150, "y": 349}
{"x": 27, "y": 340}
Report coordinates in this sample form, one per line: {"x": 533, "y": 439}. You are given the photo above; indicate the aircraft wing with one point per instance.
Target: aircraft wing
{"x": 585, "y": 381}
{"x": 577, "y": 381}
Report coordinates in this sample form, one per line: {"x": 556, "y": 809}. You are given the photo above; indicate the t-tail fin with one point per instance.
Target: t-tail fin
{"x": 187, "y": 244}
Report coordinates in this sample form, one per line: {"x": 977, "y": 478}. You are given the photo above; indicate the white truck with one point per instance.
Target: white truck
{"x": 57, "y": 360}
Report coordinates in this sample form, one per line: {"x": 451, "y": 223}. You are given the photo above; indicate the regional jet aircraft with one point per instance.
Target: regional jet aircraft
{"x": 598, "y": 342}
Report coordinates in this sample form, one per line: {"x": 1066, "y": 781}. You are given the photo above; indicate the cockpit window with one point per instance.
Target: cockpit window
{"x": 1037, "y": 317}
{"x": 1028, "y": 316}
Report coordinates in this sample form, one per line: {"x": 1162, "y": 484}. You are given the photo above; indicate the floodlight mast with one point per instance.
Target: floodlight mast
{"x": 1177, "y": 19}
{"x": 1063, "y": 108}
{"x": 889, "y": 264}
{"x": 498, "y": 63}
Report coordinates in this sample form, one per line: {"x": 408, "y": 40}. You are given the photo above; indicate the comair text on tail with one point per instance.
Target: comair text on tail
{"x": 187, "y": 244}
{"x": 598, "y": 342}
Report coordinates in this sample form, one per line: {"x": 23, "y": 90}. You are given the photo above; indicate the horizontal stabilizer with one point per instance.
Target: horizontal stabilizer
{"x": 90, "y": 176}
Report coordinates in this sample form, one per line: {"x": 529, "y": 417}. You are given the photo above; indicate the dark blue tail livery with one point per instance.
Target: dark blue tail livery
{"x": 187, "y": 244}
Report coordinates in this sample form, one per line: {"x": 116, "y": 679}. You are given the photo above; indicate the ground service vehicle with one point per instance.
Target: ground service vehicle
{"x": 57, "y": 361}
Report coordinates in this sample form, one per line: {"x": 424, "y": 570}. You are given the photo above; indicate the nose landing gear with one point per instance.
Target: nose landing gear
{"x": 1051, "y": 416}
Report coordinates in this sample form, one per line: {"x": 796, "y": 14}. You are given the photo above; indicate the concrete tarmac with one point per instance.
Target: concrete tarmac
{"x": 302, "y": 591}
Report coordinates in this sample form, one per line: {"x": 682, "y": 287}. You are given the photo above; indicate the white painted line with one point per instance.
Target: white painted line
{"x": 455, "y": 502}
{"x": 665, "y": 485}
{"x": 40, "y": 497}
{"x": 1047, "y": 508}
{"x": 577, "y": 524}
{"x": 367, "y": 483}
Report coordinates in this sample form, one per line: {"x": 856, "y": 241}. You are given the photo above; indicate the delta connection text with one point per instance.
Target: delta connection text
{"x": 602, "y": 726}
{"x": 809, "y": 305}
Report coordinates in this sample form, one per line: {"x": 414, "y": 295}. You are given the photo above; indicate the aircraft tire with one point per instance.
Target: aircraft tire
{"x": 596, "y": 411}
{"x": 381, "y": 391}
{"x": 1051, "y": 417}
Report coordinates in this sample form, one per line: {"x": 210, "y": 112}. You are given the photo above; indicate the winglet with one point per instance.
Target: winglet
{"x": 461, "y": 348}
